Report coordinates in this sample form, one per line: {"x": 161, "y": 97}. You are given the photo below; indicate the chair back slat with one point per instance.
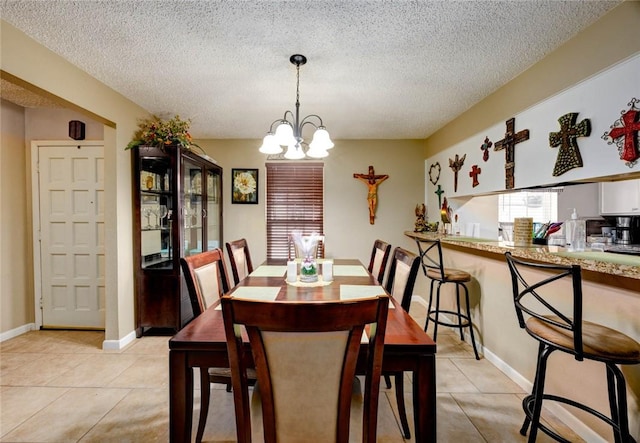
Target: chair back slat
{"x": 305, "y": 356}
{"x": 240, "y": 259}
{"x": 403, "y": 272}
{"x": 540, "y": 297}
{"x": 206, "y": 277}
{"x": 379, "y": 259}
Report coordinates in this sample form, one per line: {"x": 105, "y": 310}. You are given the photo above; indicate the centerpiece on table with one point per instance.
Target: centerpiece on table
{"x": 157, "y": 132}
{"x": 306, "y": 247}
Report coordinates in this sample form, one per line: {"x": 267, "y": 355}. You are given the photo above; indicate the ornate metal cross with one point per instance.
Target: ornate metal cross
{"x": 456, "y": 165}
{"x": 439, "y": 191}
{"x": 475, "y": 171}
{"x": 485, "y": 148}
{"x": 508, "y": 143}
{"x": 630, "y": 133}
{"x": 569, "y": 155}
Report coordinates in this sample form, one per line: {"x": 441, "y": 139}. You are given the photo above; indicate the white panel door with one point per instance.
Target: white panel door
{"x": 71, "y": 189}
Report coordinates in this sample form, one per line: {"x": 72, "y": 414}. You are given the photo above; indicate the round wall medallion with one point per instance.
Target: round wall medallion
{"x": 434, "y": 173}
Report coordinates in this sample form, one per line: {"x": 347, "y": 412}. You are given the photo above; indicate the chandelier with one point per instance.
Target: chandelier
{"x": 288, "y": 129}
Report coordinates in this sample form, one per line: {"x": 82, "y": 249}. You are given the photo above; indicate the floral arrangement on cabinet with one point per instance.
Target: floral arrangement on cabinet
{"x": 157, "y": 132}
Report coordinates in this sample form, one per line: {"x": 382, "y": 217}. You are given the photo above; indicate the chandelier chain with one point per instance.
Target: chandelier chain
{"x": 298, "y": 83}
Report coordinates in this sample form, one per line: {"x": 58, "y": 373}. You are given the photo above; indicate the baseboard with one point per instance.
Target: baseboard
{"x": 585, "y": 432}
{"x": 17, "y": 331}
{"x": 419, "y": 299}
{"x": 116, "y": 345}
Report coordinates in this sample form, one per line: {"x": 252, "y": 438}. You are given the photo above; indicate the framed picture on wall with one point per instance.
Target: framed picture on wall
{"x": 244, "y": 186}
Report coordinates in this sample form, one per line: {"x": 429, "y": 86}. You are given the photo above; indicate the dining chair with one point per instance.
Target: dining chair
{"x": 556, "y": 322}
{"x": 305, "y": 357}
{"x": 318, "y": 250}
{"x": 206, "y": 277}
{"x": 240, "y": 259}
{"x": 379, "y": 259}
{"x": 403, "y": 272}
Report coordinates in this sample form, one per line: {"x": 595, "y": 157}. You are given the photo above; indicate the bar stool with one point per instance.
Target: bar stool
{"x": 433, "y": 267}
{"x": 563, "y": 329}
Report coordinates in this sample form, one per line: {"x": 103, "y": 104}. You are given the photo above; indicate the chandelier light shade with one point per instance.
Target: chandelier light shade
{"x": 287, "y": 131}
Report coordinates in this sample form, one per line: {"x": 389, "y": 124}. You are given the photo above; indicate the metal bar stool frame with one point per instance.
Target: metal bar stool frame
{"x": 546, "y": 328}
{"x": 433, "y": 268}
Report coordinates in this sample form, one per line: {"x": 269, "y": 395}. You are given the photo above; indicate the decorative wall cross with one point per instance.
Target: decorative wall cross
{"x": 456, "y": 165}
{"x": 625, "y": 133}
{"x": 372, "y": 181}
{"x": 508, "y": 143}
{"x": 439, "y": 192}
{"x": 568, "y": 155}
{"x": 475, "y": 171}
{"x": 486, "y": 146}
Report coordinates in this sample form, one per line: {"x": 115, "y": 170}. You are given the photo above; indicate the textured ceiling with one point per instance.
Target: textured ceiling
{"x": 376, "y": 69}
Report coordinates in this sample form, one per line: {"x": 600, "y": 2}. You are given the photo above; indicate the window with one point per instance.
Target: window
{"x": 542, "y": 206}
{"x": 294, "y": 202}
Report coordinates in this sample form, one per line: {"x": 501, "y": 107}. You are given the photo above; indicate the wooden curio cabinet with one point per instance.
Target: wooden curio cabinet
{"x": 177, "y": 212}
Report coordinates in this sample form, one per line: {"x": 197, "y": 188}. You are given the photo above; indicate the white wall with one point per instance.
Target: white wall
{"x": 600, "y": 99}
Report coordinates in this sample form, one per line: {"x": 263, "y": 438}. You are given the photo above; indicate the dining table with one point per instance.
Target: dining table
{"x": 202, "y": 342}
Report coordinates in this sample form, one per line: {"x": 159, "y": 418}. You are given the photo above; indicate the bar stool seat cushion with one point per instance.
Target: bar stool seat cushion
{"x": 599, "y": 342}
{"x": 450, "y": 275}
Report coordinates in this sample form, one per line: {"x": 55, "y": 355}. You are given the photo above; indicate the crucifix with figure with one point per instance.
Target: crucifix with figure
{"x": 372, "y": 181}
{"x": 508, "y": 143}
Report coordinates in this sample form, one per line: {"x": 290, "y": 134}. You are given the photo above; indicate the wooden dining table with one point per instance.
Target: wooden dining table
{"x": 202, "y": 343}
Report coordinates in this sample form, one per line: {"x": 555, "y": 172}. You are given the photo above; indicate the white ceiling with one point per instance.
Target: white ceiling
{"x": 376, "y": 68}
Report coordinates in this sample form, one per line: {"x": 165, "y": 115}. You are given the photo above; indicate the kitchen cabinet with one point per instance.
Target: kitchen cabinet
{"x": 177, "y": 212}
{"x": 620, "y": 197}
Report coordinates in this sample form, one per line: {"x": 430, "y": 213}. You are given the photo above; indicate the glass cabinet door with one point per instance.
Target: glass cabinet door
{"x": 213, "y": 209}
{"x": 193, "y": 210}
{"x": 155, "y": 213}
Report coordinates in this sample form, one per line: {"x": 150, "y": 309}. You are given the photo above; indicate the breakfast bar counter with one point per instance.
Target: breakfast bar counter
{"x": 611, "y": 297}
{"x": 619, "y": 270}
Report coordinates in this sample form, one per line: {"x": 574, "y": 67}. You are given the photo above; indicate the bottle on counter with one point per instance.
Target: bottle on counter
{"x": 575, "y": 233}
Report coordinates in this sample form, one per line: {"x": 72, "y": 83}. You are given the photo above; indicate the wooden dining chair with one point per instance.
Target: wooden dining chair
{"x": 403, "y": 272}
{"x": 240, "y": 259}
{"x": 379, "y": 259}
{"x": 206, "y": 277}
{"x": 318, "y": 251}
{"x": 305, "y": 356}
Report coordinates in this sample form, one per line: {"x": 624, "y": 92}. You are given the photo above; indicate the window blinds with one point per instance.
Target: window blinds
{"x": 294, "y": 202}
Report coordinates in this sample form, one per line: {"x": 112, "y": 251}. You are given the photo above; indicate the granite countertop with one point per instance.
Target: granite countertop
{"x": 596, "y": 261}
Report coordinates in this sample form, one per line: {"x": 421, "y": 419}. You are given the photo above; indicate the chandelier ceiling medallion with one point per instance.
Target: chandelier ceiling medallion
{"x": 288, "y": 129}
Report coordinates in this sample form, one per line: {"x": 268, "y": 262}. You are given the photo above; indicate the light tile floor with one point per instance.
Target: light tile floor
{"x": 60, "y": 386}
